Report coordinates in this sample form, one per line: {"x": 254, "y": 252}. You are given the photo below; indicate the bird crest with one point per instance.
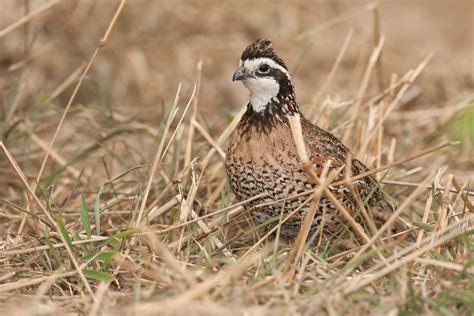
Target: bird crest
{"x": 261, "y": 48}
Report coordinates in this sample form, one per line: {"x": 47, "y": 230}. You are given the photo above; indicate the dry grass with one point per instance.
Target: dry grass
{"x": 113, "y": 194}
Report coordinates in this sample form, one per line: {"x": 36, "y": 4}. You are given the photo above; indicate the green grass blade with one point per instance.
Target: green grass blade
{"x": 101, "y": 189}
{"x": 117, "y": 237}
{"x": 63, "y": 230}
{"x": 124, "y": 173}
{"x": 98, "y": 275}
{"x": 97, "y": 210}
{"x": 104, "y": 255}
{"x": 85, "y": 217}
{"x": 54, "y": 252}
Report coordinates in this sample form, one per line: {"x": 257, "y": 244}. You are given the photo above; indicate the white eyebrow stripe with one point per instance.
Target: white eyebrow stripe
{"x": 255, "y": 63}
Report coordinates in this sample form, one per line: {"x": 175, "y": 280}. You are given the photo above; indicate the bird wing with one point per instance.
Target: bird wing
{"x": 323, "y": 146}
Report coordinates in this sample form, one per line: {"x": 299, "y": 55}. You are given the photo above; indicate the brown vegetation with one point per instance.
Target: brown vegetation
{"x": 113, "y": 194}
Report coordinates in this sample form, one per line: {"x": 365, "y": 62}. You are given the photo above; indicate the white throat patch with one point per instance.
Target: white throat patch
{"x": 262, "y": 89}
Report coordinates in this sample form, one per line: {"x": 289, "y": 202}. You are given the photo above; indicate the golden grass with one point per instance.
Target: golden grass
{"x": 115, "y": 118}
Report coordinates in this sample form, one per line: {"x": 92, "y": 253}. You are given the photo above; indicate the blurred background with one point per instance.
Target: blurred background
{"x": 156, "y": 45}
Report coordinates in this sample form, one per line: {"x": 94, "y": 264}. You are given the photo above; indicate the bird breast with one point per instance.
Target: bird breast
{"x": 264, "y": 163}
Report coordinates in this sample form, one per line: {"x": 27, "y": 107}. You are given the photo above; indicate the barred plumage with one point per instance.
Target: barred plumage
{"x": 262, "y": 156}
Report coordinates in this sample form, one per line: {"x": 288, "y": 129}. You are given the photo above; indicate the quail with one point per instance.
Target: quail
{"x": 262, "y": 160}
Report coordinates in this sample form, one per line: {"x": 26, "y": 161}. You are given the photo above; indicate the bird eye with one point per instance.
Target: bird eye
{"x": 264, "y": 68}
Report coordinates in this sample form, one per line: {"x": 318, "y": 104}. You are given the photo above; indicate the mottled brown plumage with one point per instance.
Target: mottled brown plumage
{"x": 262, "y": 156}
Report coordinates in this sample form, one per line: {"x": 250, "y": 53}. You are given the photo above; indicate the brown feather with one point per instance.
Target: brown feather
{"x": 262, "y": 158}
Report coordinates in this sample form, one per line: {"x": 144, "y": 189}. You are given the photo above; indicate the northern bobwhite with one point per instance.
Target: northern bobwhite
{"x": 262, "y": 156}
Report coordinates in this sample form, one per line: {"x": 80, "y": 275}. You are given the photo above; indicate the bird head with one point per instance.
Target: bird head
{"x": 265, "y": 74}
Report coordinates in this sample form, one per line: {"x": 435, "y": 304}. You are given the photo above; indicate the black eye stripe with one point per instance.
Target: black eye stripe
{"x": 275, "y": 73}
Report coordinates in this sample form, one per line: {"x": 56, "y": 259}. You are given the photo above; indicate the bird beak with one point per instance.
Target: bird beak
{"x": 240, "y": 74}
